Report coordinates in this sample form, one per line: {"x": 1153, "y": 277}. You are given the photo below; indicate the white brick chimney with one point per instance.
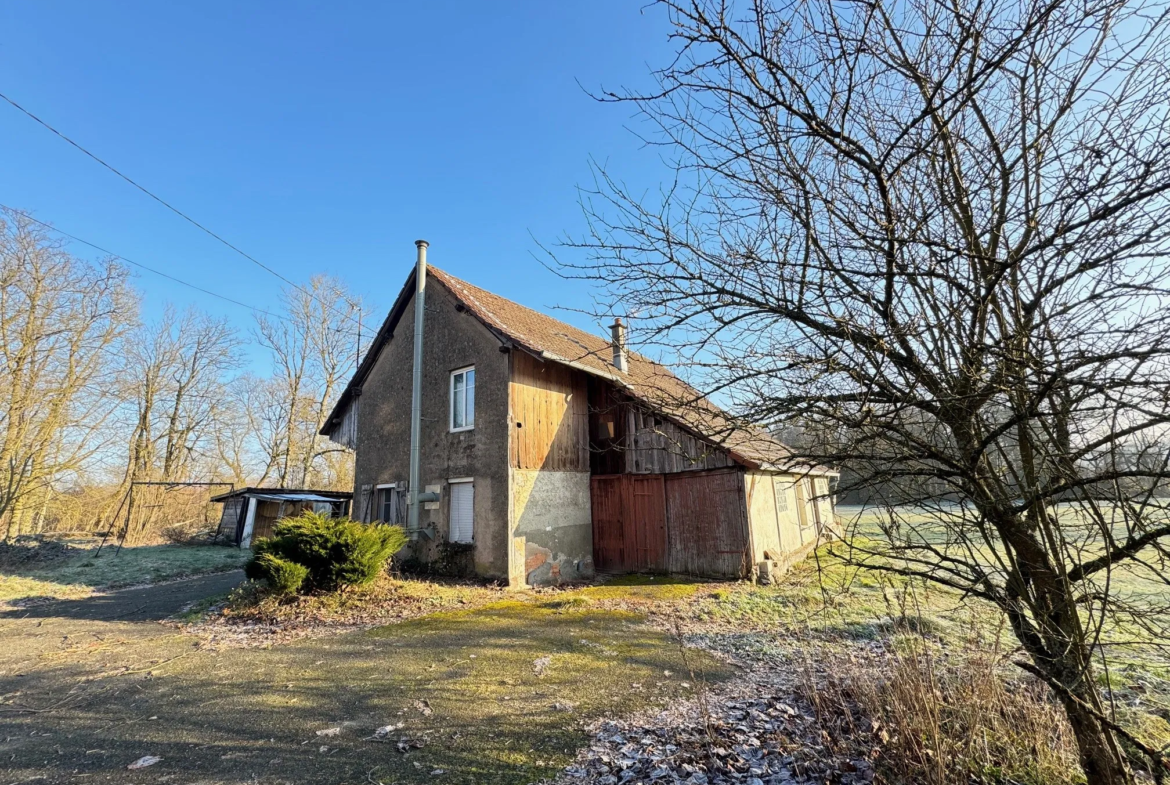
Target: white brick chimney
{"x": 618, "y": 331}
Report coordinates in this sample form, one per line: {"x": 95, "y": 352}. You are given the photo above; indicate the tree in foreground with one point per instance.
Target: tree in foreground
{"x": 936, "y": 236}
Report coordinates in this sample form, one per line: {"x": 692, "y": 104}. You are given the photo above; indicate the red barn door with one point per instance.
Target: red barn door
{"x": 629, "y": 523}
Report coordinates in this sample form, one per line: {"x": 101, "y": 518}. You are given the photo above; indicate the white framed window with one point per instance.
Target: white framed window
{"x": 463, "y": 399}
{"x": 461, "y": 526}
{"x": 389, "y": 500}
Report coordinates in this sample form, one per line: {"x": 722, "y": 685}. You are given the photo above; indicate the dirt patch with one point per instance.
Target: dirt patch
{"x": 250, "y": 617}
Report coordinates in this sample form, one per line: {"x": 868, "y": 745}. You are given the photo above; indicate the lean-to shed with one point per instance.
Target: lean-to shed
{"x": 250, "y": 513}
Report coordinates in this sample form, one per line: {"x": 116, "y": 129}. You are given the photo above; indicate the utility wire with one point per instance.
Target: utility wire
{"x": 171, "y": 207}
{"x": 149, "y": 269}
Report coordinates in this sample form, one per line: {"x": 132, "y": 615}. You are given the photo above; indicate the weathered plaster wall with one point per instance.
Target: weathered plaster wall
{"x": 765, "y": 528}
{"x": 777, "y": 533}
{"x": 452, "y": 340}
{"x": 551, "y": 512}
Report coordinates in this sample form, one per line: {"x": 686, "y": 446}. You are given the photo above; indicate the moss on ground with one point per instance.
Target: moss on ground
{"x": 658, "y": 588}
{"x": 498, "y": 694}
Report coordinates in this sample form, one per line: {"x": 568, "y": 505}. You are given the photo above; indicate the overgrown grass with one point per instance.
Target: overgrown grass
{"x": 79, "y": 570}
{"x": 916, "y": 658}
{"x": 944, "y": 714}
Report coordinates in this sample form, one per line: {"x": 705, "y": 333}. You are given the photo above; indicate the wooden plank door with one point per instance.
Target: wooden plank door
{"x": 644, "y": 523}
{"x": 629, "y": 523}
{"x": 707, "y": 517}
{"x": 607, "y": 495}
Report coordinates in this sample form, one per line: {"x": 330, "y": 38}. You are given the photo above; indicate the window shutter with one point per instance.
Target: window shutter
{"x": 364, "y": 503}
{"x": 462, "y": 517}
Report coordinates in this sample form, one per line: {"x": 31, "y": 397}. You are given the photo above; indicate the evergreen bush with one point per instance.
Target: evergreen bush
{"x": 336, "y": 552}
{"x": 285, "y": 577}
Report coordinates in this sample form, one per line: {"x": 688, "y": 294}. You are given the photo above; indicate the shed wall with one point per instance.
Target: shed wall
{"x": 784, "y": 515}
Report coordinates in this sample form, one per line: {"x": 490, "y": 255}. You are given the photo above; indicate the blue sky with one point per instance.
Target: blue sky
{"x": 323, "y": 137}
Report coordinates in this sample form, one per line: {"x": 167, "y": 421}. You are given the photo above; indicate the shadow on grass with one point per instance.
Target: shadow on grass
{"x": 149, "y": 603}
{"x": 474, "y": 687}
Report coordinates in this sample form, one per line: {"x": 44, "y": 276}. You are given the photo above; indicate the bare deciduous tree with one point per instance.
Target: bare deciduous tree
{"x": 59, "y": 318}
{"x": 937, "y": 232}
{"x": 175, "y": 377}
{"x": 313, "y": 350}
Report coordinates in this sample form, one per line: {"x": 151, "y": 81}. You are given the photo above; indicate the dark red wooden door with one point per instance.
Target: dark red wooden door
{"x": 645, "y": 527}
{"x": 629, "y": 523}
{"x": 608, "y": 502}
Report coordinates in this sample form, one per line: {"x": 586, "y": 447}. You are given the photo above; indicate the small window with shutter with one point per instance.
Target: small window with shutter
{"x": 462, "y": 501}
{"x": 390, "y": 503}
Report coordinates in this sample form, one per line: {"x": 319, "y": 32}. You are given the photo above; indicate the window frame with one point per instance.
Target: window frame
{"x": 451, "y": 400}
{"x": 376, "y": 515}
{"x": 468, "y": 481}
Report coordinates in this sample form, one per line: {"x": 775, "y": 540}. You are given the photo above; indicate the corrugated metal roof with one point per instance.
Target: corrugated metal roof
{"x": 295, "y": 494}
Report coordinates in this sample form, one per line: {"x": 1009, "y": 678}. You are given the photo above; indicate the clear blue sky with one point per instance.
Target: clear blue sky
{"x": 323, "y": 137}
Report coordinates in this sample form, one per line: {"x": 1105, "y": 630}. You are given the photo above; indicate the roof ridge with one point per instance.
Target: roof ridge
{"x": 533, "y": 311}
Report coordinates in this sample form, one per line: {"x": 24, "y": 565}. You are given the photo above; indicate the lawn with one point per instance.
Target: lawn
{"x": 413, "y": 681}
{"x": 74, "y": 569}
{"x": 500, "y": 693}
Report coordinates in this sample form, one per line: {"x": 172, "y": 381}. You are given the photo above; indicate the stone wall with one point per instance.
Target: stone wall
{"x": 453, "y": 339}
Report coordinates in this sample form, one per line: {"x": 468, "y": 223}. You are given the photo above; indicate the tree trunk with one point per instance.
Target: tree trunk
{"x": 1064, "y": 659}
{"x": 1101, "y": 760}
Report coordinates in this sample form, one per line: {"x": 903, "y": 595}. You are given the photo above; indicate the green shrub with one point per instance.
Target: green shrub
{"x": 335, "y": 551}
{"x": 285, "y": 577}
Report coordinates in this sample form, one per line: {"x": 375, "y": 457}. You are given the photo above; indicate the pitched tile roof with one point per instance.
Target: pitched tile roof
{"x": 646, "y": 381}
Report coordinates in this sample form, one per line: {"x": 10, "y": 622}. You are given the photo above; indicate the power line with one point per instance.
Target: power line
{"x": 170, "y": 206}
{"x": 148, "y": 268}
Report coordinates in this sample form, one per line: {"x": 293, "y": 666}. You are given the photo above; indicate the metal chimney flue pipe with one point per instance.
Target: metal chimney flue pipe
{"x": 420, "y": 292}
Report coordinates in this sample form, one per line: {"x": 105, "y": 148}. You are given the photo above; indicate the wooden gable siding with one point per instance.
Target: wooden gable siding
{"x": 550, "y": 416}
{"x": 655, "y": 445}
{"x": 345, "y": 427}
